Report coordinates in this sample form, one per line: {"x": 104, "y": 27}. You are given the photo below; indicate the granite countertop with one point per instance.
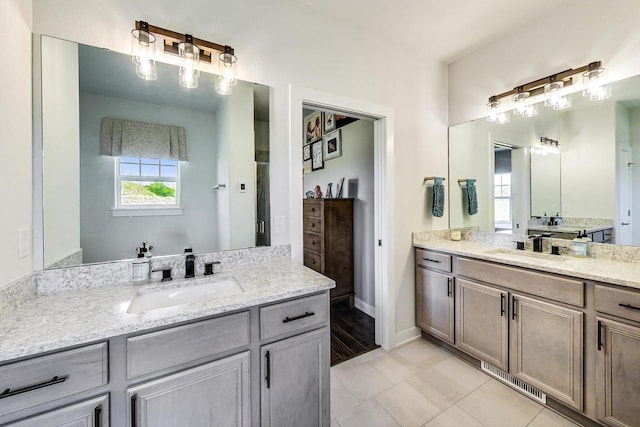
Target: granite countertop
{"x": 73, "y": 317}
{"x": 568, "y": 228}
{"x": 597, "y": 269}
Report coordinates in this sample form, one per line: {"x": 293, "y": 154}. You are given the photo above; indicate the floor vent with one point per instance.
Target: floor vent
{"x": 514, "y": 382}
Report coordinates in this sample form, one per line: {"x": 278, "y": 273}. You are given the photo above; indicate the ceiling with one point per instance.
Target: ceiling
{"x": 446, "y": 29}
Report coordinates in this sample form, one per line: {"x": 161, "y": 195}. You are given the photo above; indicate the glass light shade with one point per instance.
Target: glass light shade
{"x": 495, "y": 113}
{"x": 143, "y": 54}
{"x": 223, "y": 87}
{"x": 189, "y": 58}
{"x": 227, "y": 68}
{"x": 555, "y": 97}
{"x": 594, "y": 87}
{"x": 523, "y": 106}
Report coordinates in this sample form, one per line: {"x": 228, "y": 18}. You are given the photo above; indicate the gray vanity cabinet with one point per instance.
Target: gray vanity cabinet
{"x": 92, "y": 413}
{"x": 295, "y": 381}
{"x": 434, "y": 303}
{"x": 213, "y": 394}
{"x": 546, "y": 348}
{"x": 482, "y": 322}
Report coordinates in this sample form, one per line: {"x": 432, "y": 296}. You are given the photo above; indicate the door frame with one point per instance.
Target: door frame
{"x": 383, "y": 188}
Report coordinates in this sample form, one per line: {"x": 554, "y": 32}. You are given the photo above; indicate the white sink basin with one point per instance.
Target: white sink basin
{"x": 183, "y": 295}
{"x": 524, "y": 255}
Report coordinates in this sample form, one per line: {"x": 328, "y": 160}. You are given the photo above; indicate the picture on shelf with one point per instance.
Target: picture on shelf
{"x": 317, "y": 161}
{"x": 329, "y": 122}
{"x": 332, "y": 145}
{"x": 328, "y": 194}
{"x": 306, "y": 152}
{"x": 313, "y": 127}
{"x": 339, "y": 188}
{"x": 307, "y": 166}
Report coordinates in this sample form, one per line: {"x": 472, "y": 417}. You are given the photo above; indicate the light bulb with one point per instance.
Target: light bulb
{"x": 495, "y": 114}
{"x": 555, "y": 97}
{"x": 189, "y": 73}
{"x": 223, "y": 86}
{"x": 143, "y": 49}
{"x": 594, "y": 87}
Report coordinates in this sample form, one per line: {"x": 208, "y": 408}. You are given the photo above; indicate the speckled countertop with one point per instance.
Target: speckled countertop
{"x": 601, "y": 270}
{"x": 567, "y": 228}
{"x": 73, "y": 317}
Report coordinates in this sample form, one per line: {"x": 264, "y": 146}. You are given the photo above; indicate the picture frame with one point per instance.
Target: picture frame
{"x": 328, "y": 122}
{"x": 327, "y": 194}
{"x": 317, "y": 161}
{"x": 339, "y": 187}
{"x": 306, "y": 152}
{"x": 306, "y": 166}
{"x": 312, "y": 127}
{"x": 332, "y": 143}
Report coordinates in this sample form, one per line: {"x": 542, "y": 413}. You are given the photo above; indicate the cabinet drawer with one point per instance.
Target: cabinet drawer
{"x": 172, "y": 347}
{"x": 618, "y": 302}
{"x": 50, "y": 377}
{"x": 560, "y": 289}
{"x": 311, "y": 225}
{"x": 313, "y": 261}
{"x": 312, "y": 242}
{"x": 311, "y": 209}
{"x": 433, "y": 260}
{"x": 290, "y": 317}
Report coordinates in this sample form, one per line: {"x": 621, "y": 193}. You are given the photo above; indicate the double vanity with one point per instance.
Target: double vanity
{"x": 559, "y": 326}
{"x": 247, "y": 346}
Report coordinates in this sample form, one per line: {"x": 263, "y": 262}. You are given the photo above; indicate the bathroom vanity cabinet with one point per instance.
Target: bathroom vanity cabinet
{"x": 266, "y": 365}
{"x": 434, "y": 294}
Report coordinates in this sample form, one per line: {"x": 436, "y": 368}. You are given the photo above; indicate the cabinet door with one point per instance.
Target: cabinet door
{"x": 92, "y": 413}
{"x": 482, "y": 322}
{"x": 546, "y": 348}
{"x": 214, "y": 394}
{"x": 434, "y": 303}
{"x": 295, "y": 381}
{"x": 618, "y": 373}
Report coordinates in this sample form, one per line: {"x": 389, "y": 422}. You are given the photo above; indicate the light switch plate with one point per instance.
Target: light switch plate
{"x": 24, "y": 242}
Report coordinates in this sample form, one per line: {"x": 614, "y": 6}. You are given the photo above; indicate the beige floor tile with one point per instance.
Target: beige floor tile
{"x": 341, "y": 399}
{"x": 408, "y": 407}
{"x": 454, "y": 417}
{"x": 335, "y": 423}
{"x": 462, "y": 373}
{"x": 368, "y": 356}
{"x": 367, "y": 414}
{"x": 393, "y": 369}
{"x": 362, "y": 381}
{"x": 439, "y": 389}
{"x": 548, "y": 418}
{"x": 496, "y": 405}
{"x": 420, "y": 354}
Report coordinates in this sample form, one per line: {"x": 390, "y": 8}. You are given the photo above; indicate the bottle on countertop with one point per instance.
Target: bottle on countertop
{"x": 141, "y": 267}
{"x": 579, "y": 244}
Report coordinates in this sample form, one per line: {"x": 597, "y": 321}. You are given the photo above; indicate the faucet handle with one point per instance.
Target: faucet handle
{"x": 208, "y": 267}
{"x": 166, "y": 274}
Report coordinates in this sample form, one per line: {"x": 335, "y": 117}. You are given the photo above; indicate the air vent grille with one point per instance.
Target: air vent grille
{"x": 514, "y": 382}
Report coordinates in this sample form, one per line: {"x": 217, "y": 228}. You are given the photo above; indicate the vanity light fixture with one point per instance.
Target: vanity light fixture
{"x": 191, "y": 50}
{"x": 554, "y": 88}
{"x": 547, "y": 146}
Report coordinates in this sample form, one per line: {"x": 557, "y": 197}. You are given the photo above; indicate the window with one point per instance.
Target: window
{"x": 502, "y": 201}
{"x": 147, "y": 185}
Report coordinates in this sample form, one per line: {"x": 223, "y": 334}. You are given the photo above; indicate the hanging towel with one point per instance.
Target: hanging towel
{"x": 437, "y": 206}
{"x": 472, "y": 197}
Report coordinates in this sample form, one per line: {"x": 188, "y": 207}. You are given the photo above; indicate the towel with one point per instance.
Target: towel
{"x": 437, "y": 206}
{"x": 472, "y": 197}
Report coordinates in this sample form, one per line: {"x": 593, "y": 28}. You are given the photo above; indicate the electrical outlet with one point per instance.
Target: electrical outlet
{"x": 242, "y": 187}
{"x": 24, "y": 242}
{"x": 278, "y": 224}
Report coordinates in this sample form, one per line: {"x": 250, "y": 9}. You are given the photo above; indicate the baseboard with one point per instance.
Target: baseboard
{"x": 406, "y": 336}
{"x": 364, "y": 307}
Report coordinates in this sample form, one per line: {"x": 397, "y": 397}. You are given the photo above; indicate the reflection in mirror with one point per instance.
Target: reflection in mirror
{"x": 598, "y": 150}
{"x": 128, "y": 161}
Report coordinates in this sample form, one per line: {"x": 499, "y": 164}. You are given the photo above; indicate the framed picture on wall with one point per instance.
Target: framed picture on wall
{"x": 317, "y": 161}
{"x": 332, "y": 145}
{"x": 306, "y": 166}
{"x": 312, "y": 127}
{"x": 328, "y": 122}
{"x": 306, "y": 152}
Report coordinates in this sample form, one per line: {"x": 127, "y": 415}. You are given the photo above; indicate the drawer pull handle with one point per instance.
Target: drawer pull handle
{"x": 449, "y": 290}
{"x": 267, "y": 356}
{"x": 432, "y": 260}
{"x": 55, "y": 380}
{"x": 313, "y": 261}
{"x": 632, "y": 307}
{"x": 313, "y": 209}
{"x": 513, "y": 308}
{"x": 313, "y": 224}
{"x": 134, "y": 398}
{"x": 97, "y": 416}
{"x": 302, "y": 316}
{"x": 599, "y": 335}
{"x": 502, "y": 297}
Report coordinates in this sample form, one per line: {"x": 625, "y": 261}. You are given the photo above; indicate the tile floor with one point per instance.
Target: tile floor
{"x": 419, "y": 384}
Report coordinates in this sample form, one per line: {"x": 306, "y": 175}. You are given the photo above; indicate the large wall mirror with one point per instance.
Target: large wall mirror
{"x": 191, "y": 168}
{"x": 589, "y": 180}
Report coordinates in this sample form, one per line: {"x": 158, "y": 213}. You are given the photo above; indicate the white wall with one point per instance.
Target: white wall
{"x": 278, "y": 44}
{"x": 356, "y": 165}
{"x": 572, "y": 36}
{"x": 15, "y": 136}
{"x": 60, "y": 123}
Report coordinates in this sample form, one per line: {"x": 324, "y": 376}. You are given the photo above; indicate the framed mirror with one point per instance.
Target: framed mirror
{"x": 191, "y": 170}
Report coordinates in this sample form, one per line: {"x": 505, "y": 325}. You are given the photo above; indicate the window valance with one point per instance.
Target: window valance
{"x": 126, "y": 138}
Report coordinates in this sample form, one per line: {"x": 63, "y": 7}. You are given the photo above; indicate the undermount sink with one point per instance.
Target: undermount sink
{"x": 177, "y": 295}
{"x": 524, "y": 254}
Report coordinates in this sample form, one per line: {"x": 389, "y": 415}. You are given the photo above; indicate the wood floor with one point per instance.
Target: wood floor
{"x": 352, "y": 332}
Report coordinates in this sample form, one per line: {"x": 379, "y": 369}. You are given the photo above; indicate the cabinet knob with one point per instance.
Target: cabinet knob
{"x": 313, "y": 209}
{"x": 313, "y": 242}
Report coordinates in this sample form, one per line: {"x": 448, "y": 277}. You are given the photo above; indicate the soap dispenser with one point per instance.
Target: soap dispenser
{"x": 141, "y": 267}
{"x": 579, "y": 244}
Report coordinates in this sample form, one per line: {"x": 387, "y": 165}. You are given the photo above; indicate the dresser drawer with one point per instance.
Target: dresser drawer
{"x": 543, "y": 285}
{"x": 175, "y": 346}
{"x": 311, "y": 225}
{"x": 288, "y": 318}
{"x": 313, "y": 261}
{"x": 312, "y": 242}
{"x": 433, "y": 260}
{"x": 311, "y": 209}
{"x": 618, "y": 302}
{"x": 46, "y": 378}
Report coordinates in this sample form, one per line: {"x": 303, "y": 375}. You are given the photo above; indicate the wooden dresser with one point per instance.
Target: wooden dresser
{"x": 328, "y": 242}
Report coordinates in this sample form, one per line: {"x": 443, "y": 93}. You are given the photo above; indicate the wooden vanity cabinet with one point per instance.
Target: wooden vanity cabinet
{"x": 434, "y": 296}
{"x": 91, "y": 413}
